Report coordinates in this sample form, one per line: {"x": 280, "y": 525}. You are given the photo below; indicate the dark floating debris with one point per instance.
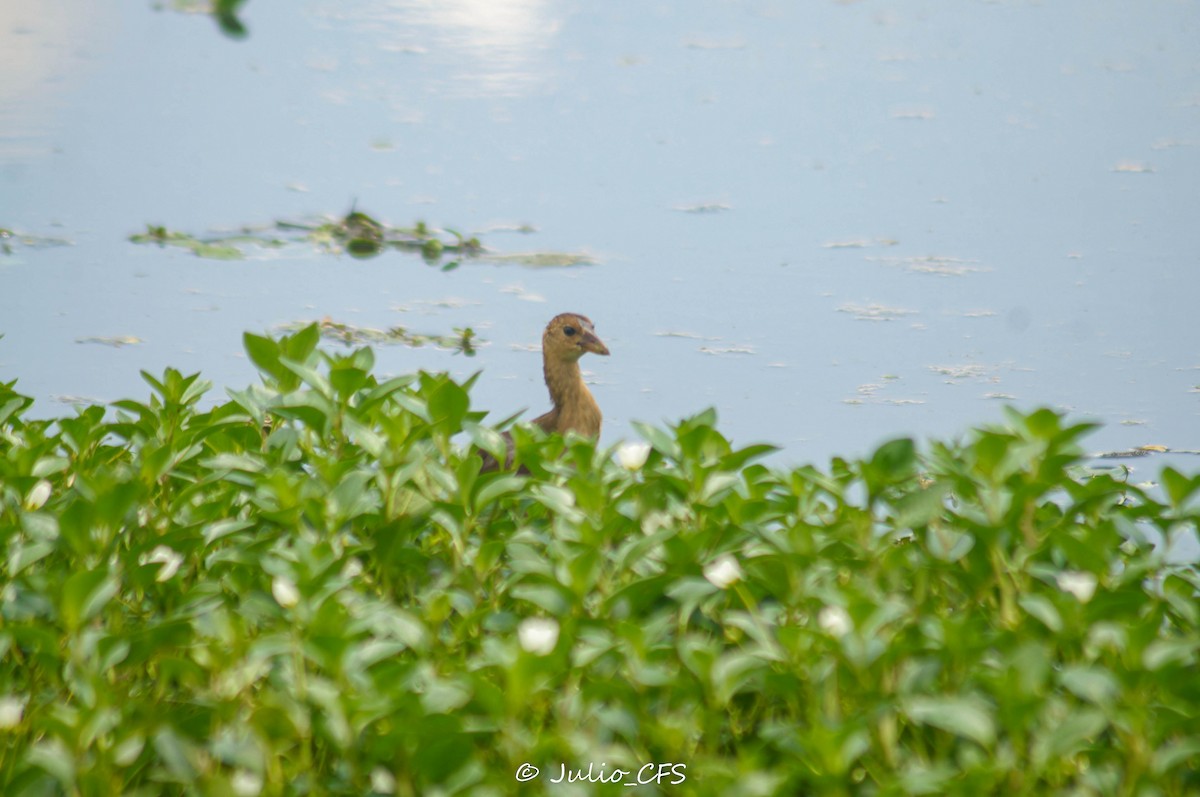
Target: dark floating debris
{"x": 360, "y": 235}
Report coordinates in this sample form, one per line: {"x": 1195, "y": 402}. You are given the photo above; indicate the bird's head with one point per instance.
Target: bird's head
{"x": 569, "y": 336}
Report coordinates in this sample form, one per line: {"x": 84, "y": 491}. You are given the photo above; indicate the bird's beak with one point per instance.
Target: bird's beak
{"x": 589, "y": 342}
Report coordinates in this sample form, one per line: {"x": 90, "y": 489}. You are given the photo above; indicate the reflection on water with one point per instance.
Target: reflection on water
{"x": 489, "y": 47}
{"x": 38, "y": 63}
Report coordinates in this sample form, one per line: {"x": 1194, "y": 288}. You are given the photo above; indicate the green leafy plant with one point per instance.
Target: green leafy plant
{"x": 310, "y": 588}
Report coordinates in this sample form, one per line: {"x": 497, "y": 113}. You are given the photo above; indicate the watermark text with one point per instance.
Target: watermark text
{"x": 668, "y": 774}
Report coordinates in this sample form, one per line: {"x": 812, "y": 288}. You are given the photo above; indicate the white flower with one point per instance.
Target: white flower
{"x": 835, "y": 621}
{"x": 246, "y": 783}
{"x": 1081, "y": 585}
{"x": 723, "y": 571}
{"x": 382, "y": 781}
{"x": 632, "y": 456}
{"x": 169, "y": 558}
{"x": 12, "y": 709}
{"x": 538, "y": 635}
{"x": 38, "y": 495}
{"x": 285, "y": 592}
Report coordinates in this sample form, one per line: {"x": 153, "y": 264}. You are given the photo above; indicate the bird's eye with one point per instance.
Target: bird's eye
{"x": 568, "y": 331}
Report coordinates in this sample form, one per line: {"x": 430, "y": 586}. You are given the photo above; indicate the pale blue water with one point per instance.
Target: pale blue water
{"x": 1023, "y": 176}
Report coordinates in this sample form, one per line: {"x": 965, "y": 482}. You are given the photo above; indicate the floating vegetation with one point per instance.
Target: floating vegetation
{"x": 521, "y": 293}
{"x": 868, "y": 393}
{"x": 362, "y": 235}
{"x": 463, "y": 341}
{"x": 744, "y": 349}
{"x": 522, "y": 228}
{"x": 1143, "y": 451}
{"x": 920, "y": 114}
{"x": 431, "y": 305}
{"x": 955, "y": 372}
{"x": 681, "y": 334}
{"x": 215, "y": 248}
{"x": 116, "y": 341}
{"x": 67, "y": 398}
{"x": 543, "y": 259}
{"x": 1133, "y": 167}
{"x": 714, "y": 43}
{"x": 938, "y": 265}
{"x": 704, "y": 207}
{"x": 875, "y": 312}
{"x": 359, "y": 235}
{"x": 859, "y": 243}
{"x": 10, "y": 240}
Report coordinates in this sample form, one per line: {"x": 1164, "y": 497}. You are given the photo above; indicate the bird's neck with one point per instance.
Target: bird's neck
{"x": 565, "y": 382}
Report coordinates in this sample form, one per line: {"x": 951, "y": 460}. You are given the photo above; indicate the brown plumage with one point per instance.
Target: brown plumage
{"x": 568, "y": 337}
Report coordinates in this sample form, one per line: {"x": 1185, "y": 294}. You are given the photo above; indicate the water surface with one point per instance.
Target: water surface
{"x": 837, "y": 222}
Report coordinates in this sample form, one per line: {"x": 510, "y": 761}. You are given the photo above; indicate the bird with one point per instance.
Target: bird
{"x": 566, "y": 339}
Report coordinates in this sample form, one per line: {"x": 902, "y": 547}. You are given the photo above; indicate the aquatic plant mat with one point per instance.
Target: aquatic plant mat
{"x": 309, "y": 588}
{"x": 359, "y": 235}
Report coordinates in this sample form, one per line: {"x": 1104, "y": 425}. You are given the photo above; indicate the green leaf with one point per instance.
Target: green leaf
{"x": 308, "y": 375}
{"x": 660, "y": 440}
{"x": 732, "y": 672}
{"x": 1176, "y": 754}
{"x": 948, "y": 545}
{"x": 174, "y": 752}
{"x": 347, "y": 380}
{"x": 52, "y": 757}
{"x": 22, "y": 556}
{"x": 264, "y": 353}
{"x": 1093, "y": 684}
{"x": 301, "y": 345}
{"x": 689, "y": 591}
{"x": 1044, "y": 423}
{"x": 1163, "y": 653}
{"x": 895, "y": 460}
{"x": 1073, "y": 733}
{"x": 491, "y": 486}
{"x": 968, "y": 717}
{"x": 1179, "y": 487}
{"x": 716, "y": 486}
{"x": 84, "y": 594}
{"x": 557, "y": 499}
{"x": 448, "y": 405}
{"x": 743, "y": 456}
{"x": 1040, "y": 607}
{"x": 11, "y": 408}
{"x": 549, "y": 597}
{"x": 919, "y": 507}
